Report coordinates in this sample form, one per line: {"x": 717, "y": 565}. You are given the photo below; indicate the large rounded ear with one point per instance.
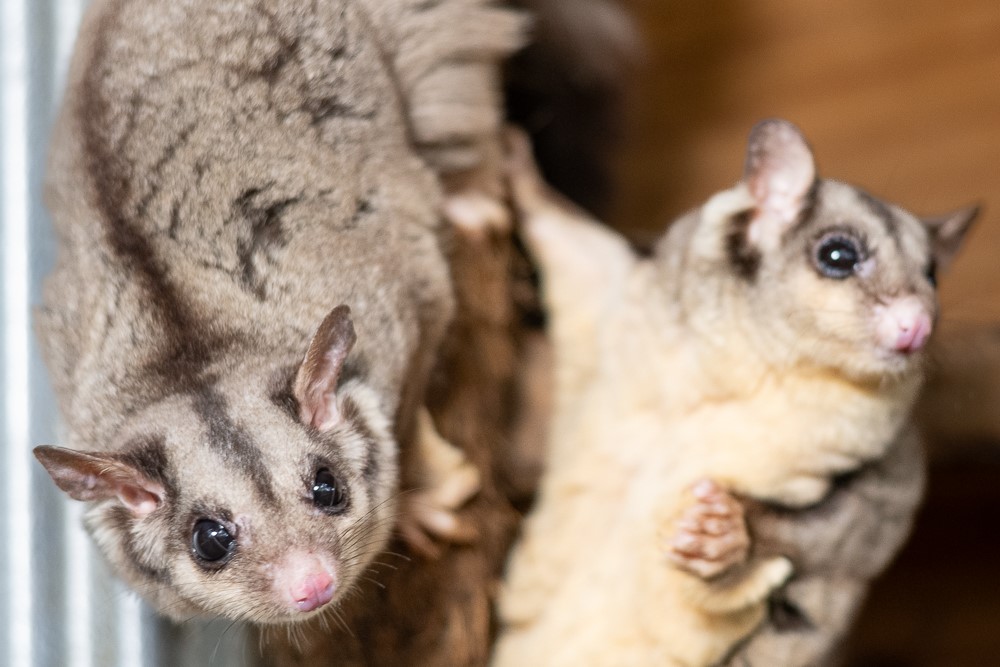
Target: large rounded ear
{"x": 98, "y": 476}
{"x": 780, "y": 174}
{"x": 316, "y": 382}
{"x": 947, "y": 233}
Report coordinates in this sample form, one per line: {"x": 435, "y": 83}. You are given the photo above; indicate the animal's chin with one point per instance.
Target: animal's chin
{"x": 894, "y": 363}
{"x": 179, "y": 611}
{"x": 276, "y": 617}
{"x": 877, "y": 366}
{"x": 262, "y": 613}
{"x": 287, "y": 618}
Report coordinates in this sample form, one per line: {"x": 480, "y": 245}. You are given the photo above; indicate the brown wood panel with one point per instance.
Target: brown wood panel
{"x": 902, "y": 98}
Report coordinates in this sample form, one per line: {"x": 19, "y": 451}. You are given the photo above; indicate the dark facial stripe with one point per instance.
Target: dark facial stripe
{"x": 149, "y": 457}
{"x": 743, "y": 257}
{"x": 232, "y": 443}
{"x": 880, "y": 210}
{"x": 122, "y": 520}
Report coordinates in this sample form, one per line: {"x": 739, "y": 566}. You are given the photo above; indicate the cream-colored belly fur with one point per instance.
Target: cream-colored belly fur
{"x": 639, "y": 420}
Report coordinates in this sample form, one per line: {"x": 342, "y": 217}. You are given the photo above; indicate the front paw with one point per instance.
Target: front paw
{"x": 711, "y": 536}
{"x": 445, "y": 480}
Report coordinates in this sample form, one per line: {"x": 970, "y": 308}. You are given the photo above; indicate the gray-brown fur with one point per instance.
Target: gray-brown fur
{"x": 837, "y": 547}
{"x": 223, "y": 175}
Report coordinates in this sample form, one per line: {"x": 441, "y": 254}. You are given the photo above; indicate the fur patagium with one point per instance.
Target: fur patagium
{"x": 251, "y": 281}
{"x": 771, "y": 344}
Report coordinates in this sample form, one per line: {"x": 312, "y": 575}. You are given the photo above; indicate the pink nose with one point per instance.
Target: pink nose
{"x": 304, "y": 580}
{"x": 904, "y": 325}
{"x": 312, "y": 592}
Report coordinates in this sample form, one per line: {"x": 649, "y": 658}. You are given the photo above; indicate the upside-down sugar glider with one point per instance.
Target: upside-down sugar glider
{"x": 251, "y": 287}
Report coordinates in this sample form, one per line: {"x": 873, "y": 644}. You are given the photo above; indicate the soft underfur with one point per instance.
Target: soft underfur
{"x": 726, "y": 356}
{"x": 223, "y": 175}
{"x": 837, "y": 547}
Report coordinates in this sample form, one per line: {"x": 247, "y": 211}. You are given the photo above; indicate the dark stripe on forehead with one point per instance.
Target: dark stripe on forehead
{"x": 149, "y": 456}
{"x": 880, "y": 210}
{"x": 233, "y": 443}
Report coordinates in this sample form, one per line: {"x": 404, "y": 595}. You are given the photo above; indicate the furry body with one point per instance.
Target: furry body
{"x": 223, "y": 174}
{"x": 724, "y": 356}
{"x": 837, "y": 548}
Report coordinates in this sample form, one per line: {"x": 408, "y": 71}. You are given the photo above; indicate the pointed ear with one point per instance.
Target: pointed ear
{"x": 316, "y": 382}
{"x": 780, "y": 174}
{"x": 947, "y": 233}
{"x": 96, "y": 476}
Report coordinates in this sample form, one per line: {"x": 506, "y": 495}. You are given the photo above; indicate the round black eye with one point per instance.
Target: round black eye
{"x": 211, "y": 540}
{"x": 328, "y": 492}
{"x": 931, "y": 273}
{"x": 838, "y": 256}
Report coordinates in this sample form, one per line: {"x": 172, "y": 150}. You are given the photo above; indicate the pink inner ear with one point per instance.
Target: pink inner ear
{"x": 780, "y": 195}
{"x": 780, "y": 170}
{"x": 321, "y": 409}
{"x": 141, "y": 501}
{"x": 99, "y": 476}
{"x": 316, "y": 381}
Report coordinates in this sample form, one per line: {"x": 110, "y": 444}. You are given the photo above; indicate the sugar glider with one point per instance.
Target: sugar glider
{"x": 252, "y": 284}
{"x": 770, "y": 345}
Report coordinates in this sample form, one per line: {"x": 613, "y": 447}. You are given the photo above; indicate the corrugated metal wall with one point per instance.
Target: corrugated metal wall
{"x": 58, "y": 605}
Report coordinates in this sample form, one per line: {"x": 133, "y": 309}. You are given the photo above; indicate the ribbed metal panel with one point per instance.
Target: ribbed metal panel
{"x": 58, "y": 604}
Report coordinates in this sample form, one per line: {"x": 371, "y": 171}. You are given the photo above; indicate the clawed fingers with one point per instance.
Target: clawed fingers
{"x": 711, "y": 535}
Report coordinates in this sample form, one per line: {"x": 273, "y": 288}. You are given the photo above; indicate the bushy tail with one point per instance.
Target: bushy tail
{"x": 446, "y": 56}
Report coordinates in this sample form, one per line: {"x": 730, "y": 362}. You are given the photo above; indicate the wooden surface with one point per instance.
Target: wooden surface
{"x": 902, "y": 98}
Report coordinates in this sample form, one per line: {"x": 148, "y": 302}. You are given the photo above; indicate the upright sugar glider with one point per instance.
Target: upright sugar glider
{"x": 771, "y": 344}
{"x": 250, "y": 291}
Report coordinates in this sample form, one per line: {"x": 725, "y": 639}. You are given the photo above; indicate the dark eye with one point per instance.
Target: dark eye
{"x": 328, "y": 492}
{"x": 838, "y": 256}
{"x": 931, "y": 273}
{"x": 211, "y": 540}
